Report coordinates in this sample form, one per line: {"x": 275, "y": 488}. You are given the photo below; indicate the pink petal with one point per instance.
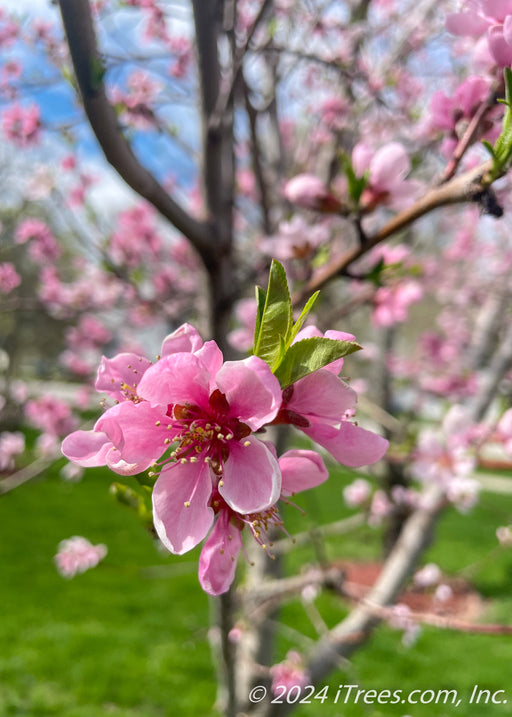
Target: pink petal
{"x": 498, "y": 46}
{"x": 251, "y": 389}
{"x": 178, "y": 378}
{"x": 389, "y": 164}
{"x": 185, "y": 339}
{"x": 322, "y": 395}
{"x": 350, "y": 445}
{"x": 137, "y": 430}
{"x": 217, "y": 563}
{"x": 300, "y": 470}
{"x": 251, "y": 480}
{"x": 87, "y": 448}
{"x": 507, "y": 30}
{"x": 211, "y": 358}
{"x": 497, "y": 9}
{"x": 361, "y": 158}
{"x": 466, "y": 24}
{"x": 181, "y": 528}
{"x": 124, "y": 369}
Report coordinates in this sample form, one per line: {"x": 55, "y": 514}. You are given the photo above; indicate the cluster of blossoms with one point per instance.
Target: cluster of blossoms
{"x": 193, "y": 419}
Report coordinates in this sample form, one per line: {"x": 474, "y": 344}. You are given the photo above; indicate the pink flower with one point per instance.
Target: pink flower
{"x": 320, "y": 405}
{"x": 300, "y": 470}
{"x": 357, "y": 493}
{"x": 243, "y": 338}
{"x": 387, "y": 170}
{"x": 295, "y": 240}
{"x": 492, "y": 18}
{"x": 76, "y": 555}
{"x": 392, "y": 302}
{"x": 428, "y": 576}
{"x": 11, "y": 445}
{"x": 51, "y": 415}
{"x": 208, "y": 409}
{"x": 308, "y": 191}
{"x": 448, "y": 111}
{"x": 22, "y": 125}
{"x": 289, "y": 673}
{"x": 9, "y": 277}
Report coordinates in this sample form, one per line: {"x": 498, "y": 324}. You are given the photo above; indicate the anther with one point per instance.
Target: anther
{"x": 187, "y": 504}
{"x": 157, "y": 423}
{"x": 247, "y": 443}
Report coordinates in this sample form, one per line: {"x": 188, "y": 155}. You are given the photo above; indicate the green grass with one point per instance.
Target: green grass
{"x": 126, "y": 641}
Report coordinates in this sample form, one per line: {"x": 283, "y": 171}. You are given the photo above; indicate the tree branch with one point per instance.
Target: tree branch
{"x": 88, "y": 66}
{"x": 464, "y": 188}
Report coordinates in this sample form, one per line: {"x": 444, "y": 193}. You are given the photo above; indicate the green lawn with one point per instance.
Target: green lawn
{"x": 131, "y": 642}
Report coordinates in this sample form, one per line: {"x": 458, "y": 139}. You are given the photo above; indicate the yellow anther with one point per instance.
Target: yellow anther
{"x": 167, "y": 441}
{"x": 187, "y": 504}
{"x": 157, "y": 423}
{"x": 247, "y": 443}
{"x": 229, "y": 436}
{"x": 221, "y": 483}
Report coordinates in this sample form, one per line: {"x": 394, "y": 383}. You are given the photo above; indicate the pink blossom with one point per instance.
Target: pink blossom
{"x": 76, "y": 555}
{"x": 209, "y": 409}
{"x": 391, "y": 303}
{"x": 387, "y": 170}
{"x": 320, "y": 405}
{"x": 308, "y": 191}
{"x": 492, "y": 18}
{"x": 380, "y": 508}
{"x": 9, "y": 277}
{"x": 12, "y": 444}
{"x": 357, "y": 493}
{"x": 289, "y": 673}
{"x": 243, "y": 338}
{"x": 504, "y": 536}
{"x": 427, "y": 576}
{"x": 300, "y": 470}
{"x": 295, "y": 240}
{"x": 22, "y": 125}
{"x": 44, "y": 247}
{"x": 50, "y": 414}
{"x": 136, "y": 239}
{"x": 446, "y": 111}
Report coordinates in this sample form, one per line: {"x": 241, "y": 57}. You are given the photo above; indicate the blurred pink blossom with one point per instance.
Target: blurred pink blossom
{"x": 9, "y": 277}
{"x": 76, "y": 555}
{"x": 289, "y": 673}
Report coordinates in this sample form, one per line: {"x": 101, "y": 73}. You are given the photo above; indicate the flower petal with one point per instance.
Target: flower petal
{"x": 181, "y": 513}
{"x": 252, "y": 391}
{"x": 87, "y": 448}
{"x": 251, "y": 479}
{"x": 300, "y": 470}
{"x": 119, "y": 376}
{"x": 349, "y": 444}
{"x": 177, "y": 378}
{"x": 184, "y": 340}
{"x": 142, "y": 427}
{"x": 322, "y": 394}
{"x": 217, "y": 563}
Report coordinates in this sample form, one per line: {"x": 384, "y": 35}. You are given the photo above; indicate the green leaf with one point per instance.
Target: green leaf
{"x": 488, "y": 146}
{"x": 276, "y": 317}
{"x": 309, "y": 355}
{"x": 303, "y": 316}
{"x": 356, "y": 185}
{"x": 261, "y": 296}
{"x": 502, "y": 151}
